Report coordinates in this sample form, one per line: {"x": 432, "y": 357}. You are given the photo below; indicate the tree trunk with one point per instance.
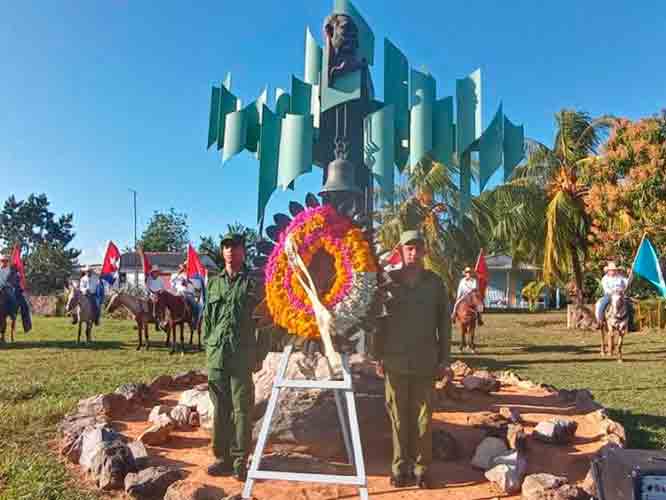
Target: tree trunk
{"x": 578, "y": 276}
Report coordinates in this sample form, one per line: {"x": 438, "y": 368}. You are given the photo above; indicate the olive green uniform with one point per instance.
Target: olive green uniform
{"x": 233, "y": 349}
{"x": 412, "y": 340}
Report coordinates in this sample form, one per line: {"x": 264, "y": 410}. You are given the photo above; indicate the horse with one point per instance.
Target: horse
{"x": 466, "y": 315}
{"x": 615, "y": 326}
{"x": 179, "y": 314}
{"x": 140, "y": 308}
{"x": 4, "y": 313}
{"x": 86, "y": 314}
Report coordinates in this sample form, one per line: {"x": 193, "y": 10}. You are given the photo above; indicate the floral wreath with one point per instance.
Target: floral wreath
{"x": 354, "y": 281}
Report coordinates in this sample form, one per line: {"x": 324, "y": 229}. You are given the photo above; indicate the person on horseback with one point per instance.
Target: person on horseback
{"x": 89, "y": 287}
{"x": 612, "y": 282}
{"x": 9, "y": 281}
{"x": 185, "y": 288}
{"x": 466, "y": 286}
{"x": 154, "y": 286}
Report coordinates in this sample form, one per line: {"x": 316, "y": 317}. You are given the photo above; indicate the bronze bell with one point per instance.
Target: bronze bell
{"x": 341, "y": 174}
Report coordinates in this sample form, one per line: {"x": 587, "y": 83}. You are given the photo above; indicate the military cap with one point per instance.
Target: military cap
{"x": 233, "y": 239}
{"x": 410, "y": 235}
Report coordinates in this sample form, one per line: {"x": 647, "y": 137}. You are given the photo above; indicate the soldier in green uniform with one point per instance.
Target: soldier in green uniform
{"x": 234, "y": 350}
{"x": 412, "y": 346}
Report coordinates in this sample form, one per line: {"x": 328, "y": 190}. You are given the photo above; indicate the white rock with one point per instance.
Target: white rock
{"x": 535, "y": 484}
{"x": 506, "y": 477}
{"x": 92, "y": 441}
{"x": 508, "y": 471}
{"x": 201, "y": 400}
{"x": 487, "y": 451}
{"x": 157, "y": 411}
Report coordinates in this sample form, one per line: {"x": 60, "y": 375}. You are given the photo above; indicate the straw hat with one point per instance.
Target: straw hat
{"x": 468, "y": 270}
{"x": 611, "y": 266}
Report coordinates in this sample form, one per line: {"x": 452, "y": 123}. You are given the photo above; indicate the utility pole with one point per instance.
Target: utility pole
{"x": 136, "y": 268}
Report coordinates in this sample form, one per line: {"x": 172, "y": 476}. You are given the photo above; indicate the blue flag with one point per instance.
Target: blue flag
{"x": 646, "y": 265}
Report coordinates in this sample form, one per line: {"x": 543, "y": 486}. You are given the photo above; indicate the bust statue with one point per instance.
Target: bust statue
{"x": 341, "y": 35}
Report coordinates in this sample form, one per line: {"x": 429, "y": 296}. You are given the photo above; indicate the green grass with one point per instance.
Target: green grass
{"x": 45, "y": 373}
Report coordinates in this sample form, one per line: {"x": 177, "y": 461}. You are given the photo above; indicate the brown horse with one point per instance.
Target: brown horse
{"x": 140, "y": 308}
{"x": 86, "y": 314}
{"x": 615, "y": 326}
{"x": 466, "y": 316}
{"x": 179, "y": 314}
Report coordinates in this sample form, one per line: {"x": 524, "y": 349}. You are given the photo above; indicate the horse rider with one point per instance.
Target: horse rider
{"x": 89, "y": 286}
{"x": 467, "y": 285}
{"x": 612, "y": 282}
{"x": 412, "y": 346}
{"x": 8, "y": 284}
{"x": 154, "y": 285}
{"x": 185, "y": 288}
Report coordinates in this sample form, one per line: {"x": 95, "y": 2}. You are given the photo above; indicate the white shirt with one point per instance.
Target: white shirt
{"x": 612, "y": 284}
{"x": 181, "y": 284}
{"x": 89, "y": 284}
{"x": 154, "y": 285}
{"x": 466, "y": 285}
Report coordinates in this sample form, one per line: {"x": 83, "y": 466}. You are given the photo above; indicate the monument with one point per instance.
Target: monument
{"x": 321, "y": 276}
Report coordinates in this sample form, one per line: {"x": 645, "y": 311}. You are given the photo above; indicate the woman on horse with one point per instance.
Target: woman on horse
{"x": 612, "y": 282}
{"x": 185, "y": 288}
{"x": 154, "y": 286}
{"x": 467, "y": 285}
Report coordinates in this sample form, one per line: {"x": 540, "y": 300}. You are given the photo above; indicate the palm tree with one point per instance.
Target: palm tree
{"x": 546, "y": 198}
{"x": 427, "y": 200}
{"x": 212, "y": 248}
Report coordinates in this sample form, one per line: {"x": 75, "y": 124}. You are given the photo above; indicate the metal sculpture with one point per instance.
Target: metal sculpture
{"x": 335, "y": 101}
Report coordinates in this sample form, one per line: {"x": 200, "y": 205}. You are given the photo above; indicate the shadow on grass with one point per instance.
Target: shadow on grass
{"x": 95, "y": 345}
{"x": 576, "y": 349}
{"x": 493, "y": 364}
{"x": 643, "y": 431}
{"x": 544, "y": 323}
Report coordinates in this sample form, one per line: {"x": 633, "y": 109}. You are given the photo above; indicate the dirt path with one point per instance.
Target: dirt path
{"x": 458, "y": 480}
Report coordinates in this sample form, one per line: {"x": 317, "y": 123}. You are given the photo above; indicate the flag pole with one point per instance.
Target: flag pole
{"x": 631, "y": 271}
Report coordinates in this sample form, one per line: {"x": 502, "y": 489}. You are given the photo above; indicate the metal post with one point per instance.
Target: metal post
{"x": 136, "y": 268}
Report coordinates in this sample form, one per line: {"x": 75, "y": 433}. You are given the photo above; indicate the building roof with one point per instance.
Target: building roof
{"x": 166, "y": 260}
{"x": 505, "y": 262}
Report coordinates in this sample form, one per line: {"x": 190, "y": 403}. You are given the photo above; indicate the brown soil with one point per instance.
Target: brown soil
{"x": 457, "y": 480}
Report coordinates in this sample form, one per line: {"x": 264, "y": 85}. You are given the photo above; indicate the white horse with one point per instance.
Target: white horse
{"x": 85, "y": 312}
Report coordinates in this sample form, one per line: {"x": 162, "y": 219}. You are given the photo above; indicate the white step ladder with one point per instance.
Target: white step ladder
{"x": 346, "y": 405}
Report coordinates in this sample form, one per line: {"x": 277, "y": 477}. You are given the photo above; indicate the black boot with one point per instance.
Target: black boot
{"x": 220, "y": 468}
{"x": 423, "y": 481}
{"x": 400, "y": 480}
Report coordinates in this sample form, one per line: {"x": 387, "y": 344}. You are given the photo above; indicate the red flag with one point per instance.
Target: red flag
{"x": 111, "y": 264}
{"x": 147, "y": 266}
{"x": 18, "y": 264}
{"x": 481, "y": 270}
{"x": 195, "y": 269}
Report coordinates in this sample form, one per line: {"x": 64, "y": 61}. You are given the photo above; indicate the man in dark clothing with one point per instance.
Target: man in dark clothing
{"x": 234, "y": 350}
{"x": 412, "y": 346}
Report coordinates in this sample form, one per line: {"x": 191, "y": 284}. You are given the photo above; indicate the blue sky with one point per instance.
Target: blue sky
{"x": 97, "y": 97}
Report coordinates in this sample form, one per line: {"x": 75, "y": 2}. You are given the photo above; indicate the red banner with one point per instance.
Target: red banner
{"x": 195, "y": 269}
{"x": 18, "y": 264}
{"x": 147, "y": 266}
{"x": 481, "y": 270}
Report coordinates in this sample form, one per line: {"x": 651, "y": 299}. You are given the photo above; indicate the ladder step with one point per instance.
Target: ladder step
{"x": 313, "y": 384}
{"x": 307, "y": 478}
